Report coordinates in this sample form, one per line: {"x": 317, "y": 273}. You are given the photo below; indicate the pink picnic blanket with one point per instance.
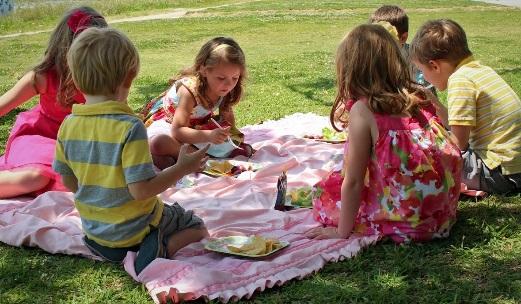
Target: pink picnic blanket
{"x": 229, "y": 206}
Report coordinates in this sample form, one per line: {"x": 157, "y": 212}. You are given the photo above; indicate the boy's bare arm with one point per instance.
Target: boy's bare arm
{"x": 71, "y": 182}
{"x": 441, "y": 110}
{"x": 186, "y": 163}
{"x": 461, "y": 136}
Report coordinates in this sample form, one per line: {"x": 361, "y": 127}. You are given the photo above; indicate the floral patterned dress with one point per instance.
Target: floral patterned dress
{"x": 412, "y": 183}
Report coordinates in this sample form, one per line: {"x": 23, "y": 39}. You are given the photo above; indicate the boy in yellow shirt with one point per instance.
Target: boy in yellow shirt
{"x": 484, "y": 113}
{"x": 103, "y": 156}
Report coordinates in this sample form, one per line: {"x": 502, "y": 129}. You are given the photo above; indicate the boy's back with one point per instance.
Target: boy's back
{"x": 478, "y": 97}
{"x": 484, "y": 113}
{"x": 103, "y": 156}
{"x": 105, "y": 146}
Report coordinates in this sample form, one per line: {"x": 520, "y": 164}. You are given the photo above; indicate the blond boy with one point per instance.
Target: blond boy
{"x": 103, "y": 157}
{"x": 484, "y": 112}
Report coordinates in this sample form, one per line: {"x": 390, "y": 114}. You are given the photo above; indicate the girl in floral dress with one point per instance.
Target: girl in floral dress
{"x": 401, "y": 173}
{"x": 185, "y": 113}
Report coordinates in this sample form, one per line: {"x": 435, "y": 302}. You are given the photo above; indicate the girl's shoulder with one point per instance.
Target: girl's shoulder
{"x": 187, "y": 86}
{"x": 45, "y": 82}
{"x": 189, "y": 82}
{"x": 360, "y": 112}
{"x": 358, "y": 106}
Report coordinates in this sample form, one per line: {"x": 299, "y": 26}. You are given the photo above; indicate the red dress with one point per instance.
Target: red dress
{"x": 32, "y": 140}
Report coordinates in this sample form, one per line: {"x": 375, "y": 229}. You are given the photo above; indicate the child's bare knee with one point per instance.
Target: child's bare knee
{"x": 159, "y": 143}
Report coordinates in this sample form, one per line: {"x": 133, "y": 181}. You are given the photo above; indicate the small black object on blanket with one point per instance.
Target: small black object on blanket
{"x": 282, "y": 185}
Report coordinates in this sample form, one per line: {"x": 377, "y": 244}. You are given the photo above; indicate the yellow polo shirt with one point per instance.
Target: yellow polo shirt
{"x": 478, "y": 97}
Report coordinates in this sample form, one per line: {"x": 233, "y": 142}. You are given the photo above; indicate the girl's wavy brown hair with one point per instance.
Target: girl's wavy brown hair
{"x": 55, "y": 56}
{"x": 370, "y": 64}
{"x": 214, "y": 52}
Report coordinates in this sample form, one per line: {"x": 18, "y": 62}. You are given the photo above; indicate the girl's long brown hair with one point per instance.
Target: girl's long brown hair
{"x": 56, "y": 54}
{"x": 216, "y": 51}
{"x": 370, "y": 65}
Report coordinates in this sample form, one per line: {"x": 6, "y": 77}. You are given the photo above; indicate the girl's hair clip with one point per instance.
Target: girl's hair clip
{"x": 79, "y": 21}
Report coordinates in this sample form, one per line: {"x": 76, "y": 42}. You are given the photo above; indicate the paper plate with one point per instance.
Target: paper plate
{"x": 217, "y": 167}
{"x": 331, "y": 141}
{"x": 220, "y": 245}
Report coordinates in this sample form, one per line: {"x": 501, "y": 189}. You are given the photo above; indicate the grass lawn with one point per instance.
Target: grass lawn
{"x": 290, "y": 48}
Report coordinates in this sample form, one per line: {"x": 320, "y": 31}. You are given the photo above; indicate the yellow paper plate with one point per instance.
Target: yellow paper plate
{"x": 221, "y": 245}
{"x": 224, "y": 167}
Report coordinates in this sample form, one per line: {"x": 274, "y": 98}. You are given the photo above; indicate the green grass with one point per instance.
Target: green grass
{"x": 290, "y": 47}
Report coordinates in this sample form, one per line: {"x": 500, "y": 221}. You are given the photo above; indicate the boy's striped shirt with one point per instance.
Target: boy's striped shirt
{"x": 105, "y": 146}
{"x": 478, "y": 97}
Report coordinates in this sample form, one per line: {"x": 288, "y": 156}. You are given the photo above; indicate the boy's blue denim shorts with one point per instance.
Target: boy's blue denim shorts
{"x": 174, "y": 219}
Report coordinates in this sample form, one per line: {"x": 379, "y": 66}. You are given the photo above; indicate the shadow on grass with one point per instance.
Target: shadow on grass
{"x": 9, "y": 118}
{"x": 6, "y": 126}
{"x": 310, "y": 90}
{"x": 31, "y": 275}
{"x": 147, "y": 89}
{"x": 504, "y": 71}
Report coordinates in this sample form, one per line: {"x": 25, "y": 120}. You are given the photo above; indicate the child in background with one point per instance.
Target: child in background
{"x": 484, "y": 113}
{"x": 25, "y": 168}
{"x": 397, "y": 17}
{"x": 214, "y": 82}
{"x": 401, "y": 173}
{"x": 103, "y": 156}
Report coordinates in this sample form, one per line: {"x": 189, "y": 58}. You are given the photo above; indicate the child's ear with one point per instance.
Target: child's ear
{"x": 129, "y": 78}
{"x": 435, "y": 65}
{"x": 403, "y": 38}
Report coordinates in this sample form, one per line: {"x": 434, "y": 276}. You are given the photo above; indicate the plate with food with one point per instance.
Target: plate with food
{"x": 229, "y": 167}
{"x": 253, "y": 246}
{"x": 329, "y": 135}
{"x": 300, "y": 198}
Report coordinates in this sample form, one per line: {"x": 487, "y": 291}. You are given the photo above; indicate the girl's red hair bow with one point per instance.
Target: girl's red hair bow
{"x": 79, "y": 21}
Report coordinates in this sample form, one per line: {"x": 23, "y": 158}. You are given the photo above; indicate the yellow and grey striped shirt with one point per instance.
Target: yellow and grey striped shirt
{"x": 105, "y": 146}
{"x": 479, "y": 98}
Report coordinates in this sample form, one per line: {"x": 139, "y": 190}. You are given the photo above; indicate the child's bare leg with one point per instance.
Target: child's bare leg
{"x": 183, "y": 238}
{"x": 165, "y": 150}
{"x": 23, "y": 181}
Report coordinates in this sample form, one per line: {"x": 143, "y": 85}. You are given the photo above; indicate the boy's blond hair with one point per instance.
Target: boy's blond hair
{"x": 440, "y": 39}
{"x": 101, "y": 59}
{"x": 393, "y": 14}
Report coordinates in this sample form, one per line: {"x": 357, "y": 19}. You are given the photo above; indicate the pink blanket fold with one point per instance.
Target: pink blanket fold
{"x": 229, "y": 206}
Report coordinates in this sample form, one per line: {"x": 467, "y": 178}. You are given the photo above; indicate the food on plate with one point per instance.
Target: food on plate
{"x": 220, "y": 166}
{"x": 229, "y": 167}
{"x": 257, "y": 246}
{"x": 328, "y": 134}
{"x": 301, "y": 197}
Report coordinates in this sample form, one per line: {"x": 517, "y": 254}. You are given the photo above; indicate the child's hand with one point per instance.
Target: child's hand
{"x": 192, "y": 162}
{"x": 322, "y": 233}
{"x": 219, "y": 135}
